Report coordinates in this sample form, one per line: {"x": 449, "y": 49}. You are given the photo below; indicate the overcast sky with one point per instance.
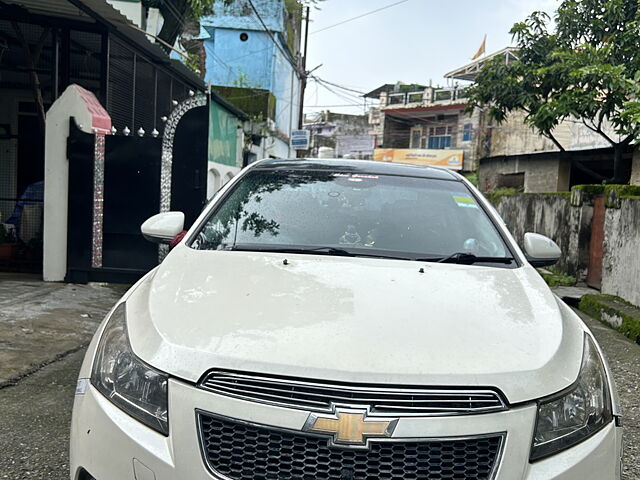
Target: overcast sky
{"x": 412, "y": 42}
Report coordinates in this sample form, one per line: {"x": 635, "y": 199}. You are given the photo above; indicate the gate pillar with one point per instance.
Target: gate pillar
{"x": 91, "y": 117}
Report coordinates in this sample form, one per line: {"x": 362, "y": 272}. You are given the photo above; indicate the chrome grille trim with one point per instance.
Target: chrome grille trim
{"x": 322, "y": 396}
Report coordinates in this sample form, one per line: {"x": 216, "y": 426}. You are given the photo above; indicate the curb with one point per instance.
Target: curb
{"x": 615, "y": 312}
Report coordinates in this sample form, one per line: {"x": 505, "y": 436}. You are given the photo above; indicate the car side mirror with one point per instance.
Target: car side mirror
{"x": 541, "y": 251}
{"x": 163, "y": 227}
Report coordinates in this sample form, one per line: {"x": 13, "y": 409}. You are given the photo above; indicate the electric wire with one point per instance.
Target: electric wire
{"x": 286, "y": 55}
{"x": 359, "y": 16}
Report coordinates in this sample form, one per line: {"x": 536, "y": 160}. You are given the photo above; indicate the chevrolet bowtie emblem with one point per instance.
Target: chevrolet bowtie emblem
{"x": 350, "y": 427}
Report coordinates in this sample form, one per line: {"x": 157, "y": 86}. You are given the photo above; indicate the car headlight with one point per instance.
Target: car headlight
{"x": 128, "y": 382}
{"x": 577, "y": 413}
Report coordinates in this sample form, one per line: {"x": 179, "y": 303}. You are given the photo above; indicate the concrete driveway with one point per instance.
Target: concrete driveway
{"x": 41, "y": 322}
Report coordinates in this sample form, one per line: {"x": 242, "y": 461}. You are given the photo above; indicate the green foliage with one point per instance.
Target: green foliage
{"x": 200, "y": 8}
{"x": 495, "y": 196}
{"x": 473, "y": 178}
{"x": 258, "y": 104}
{"x": 241, "y": 81}
{"x": 193, "y": 61}
{"x": 608, "y": 306}
{"x": 558, "y": 279}
{"x": 587, "y": 69}
{"x": 589, "y": 189}
{"x": 623, "y": 191}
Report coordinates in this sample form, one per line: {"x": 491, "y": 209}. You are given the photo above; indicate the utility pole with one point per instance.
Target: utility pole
{"x": 303, "y": 80}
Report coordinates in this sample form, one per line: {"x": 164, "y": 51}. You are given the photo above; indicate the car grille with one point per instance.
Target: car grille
{"x": 241, "y": 451}
{"x": 317, "y": 395}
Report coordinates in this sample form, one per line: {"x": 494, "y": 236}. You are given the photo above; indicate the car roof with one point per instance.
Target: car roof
{"x": 357, "y": 166}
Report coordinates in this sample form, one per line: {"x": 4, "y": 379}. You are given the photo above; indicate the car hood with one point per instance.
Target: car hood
{"x": 355, "y": 320}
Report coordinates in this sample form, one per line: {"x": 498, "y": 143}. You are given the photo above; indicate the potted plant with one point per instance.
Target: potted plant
{"x": 7, "y": 246}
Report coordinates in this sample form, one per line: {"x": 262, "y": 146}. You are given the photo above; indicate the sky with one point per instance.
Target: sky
{"x": 413, "y": 42}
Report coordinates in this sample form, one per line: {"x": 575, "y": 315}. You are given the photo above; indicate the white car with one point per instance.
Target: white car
{"x": 347, "y": 320}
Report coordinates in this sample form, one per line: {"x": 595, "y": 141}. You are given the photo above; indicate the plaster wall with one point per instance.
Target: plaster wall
{"x": 621, "y": 262}
{"x": 553, "y": 216}
{"x": 56, "y": 174}
{"x": 540, "y": 175}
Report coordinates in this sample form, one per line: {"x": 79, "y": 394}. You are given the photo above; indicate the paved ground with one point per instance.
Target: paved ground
{"x": 41, "y": 321}
{"x": 36, "y": 411}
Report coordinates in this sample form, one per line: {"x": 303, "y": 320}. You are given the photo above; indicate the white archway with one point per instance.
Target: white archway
{"x": 213, "y": 183}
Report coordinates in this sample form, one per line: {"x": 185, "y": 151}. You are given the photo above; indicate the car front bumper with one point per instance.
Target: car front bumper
{"x": 111, "y": 445}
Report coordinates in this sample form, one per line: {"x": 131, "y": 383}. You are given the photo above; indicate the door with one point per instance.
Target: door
{"x": 596, "y": 245}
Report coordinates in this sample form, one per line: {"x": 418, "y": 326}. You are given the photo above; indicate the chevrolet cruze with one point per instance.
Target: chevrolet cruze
{"x": 347, "y": 320}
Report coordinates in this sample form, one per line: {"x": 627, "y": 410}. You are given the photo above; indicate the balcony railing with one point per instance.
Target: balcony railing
{"x": 442, "y": 95}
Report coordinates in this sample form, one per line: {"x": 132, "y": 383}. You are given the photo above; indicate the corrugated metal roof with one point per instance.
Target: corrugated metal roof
{"x": 92, "y": 11}
{"x": 54, "y": 8}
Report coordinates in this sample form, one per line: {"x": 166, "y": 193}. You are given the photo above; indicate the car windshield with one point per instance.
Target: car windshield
{"x": 333, "y": 212}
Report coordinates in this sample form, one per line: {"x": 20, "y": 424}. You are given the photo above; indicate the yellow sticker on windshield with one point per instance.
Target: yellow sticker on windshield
{"x": 466, "y": 202}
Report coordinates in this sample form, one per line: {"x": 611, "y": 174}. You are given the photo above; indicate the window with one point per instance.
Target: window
{"x": 244, "y": 37}
{"x": 440, "y": 137}
{"x": 467, "y": 133}
{"x": 365, "y": 214}
{"x": 440, "y": 143}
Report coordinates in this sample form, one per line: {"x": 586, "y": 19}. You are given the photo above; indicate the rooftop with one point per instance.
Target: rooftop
{"x": 470, "y": 71}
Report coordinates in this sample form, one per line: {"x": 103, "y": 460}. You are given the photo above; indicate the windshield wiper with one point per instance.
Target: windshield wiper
{"x": 333, "y": 251}
{"x": 468, "y": 259}
{"x": 290, "y": 249}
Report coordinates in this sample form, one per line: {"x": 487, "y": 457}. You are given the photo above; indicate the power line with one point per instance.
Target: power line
{"x": 360, "y": 16}
{"x": 273, "y": 38}
{"x": 346, "y": 97}
{"x": 341, "y": 87}
{"x": 358, "y": 105}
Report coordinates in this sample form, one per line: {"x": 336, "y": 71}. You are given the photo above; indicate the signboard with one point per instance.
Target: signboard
{"x": 440, "y": 158}
{"x": 300, "y": 139}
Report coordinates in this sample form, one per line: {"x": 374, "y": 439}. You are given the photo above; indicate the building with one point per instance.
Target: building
{"x": 253, "y": 60}
{"x": 348, "y": 135}
{"x": 83, "y": 42}
{"x": 424, "y": 124}
{"x": 514, "y": 155}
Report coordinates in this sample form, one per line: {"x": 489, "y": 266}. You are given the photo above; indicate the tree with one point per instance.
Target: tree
{"x": 586, "y": 70}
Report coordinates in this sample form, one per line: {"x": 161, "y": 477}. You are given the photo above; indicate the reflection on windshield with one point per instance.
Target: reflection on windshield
{"x": 407, "y": 216}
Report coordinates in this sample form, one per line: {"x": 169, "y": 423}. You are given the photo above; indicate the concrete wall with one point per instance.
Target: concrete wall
{"x": 514, "y": 137}
{"x": 240, "y": 15}
{"x": 635, "y": 168}
{"x": 553, "y": 216}
{"x": 234, "y": 63}
{"x": 570, "y": 227}
{"x": 541, "y": 175}
{"x": 621, "y": 263}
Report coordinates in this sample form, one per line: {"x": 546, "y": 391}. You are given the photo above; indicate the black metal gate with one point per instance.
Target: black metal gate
{"x": 189, "y": 172}
{"x": 131, "y": 193}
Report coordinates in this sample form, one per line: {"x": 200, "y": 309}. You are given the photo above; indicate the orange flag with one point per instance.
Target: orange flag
{"x": 481, "y": 50}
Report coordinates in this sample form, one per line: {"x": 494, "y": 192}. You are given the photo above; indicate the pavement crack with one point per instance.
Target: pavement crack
{"x": 14, "y": 381}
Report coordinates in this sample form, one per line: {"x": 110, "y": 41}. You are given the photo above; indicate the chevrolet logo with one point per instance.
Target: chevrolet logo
{"x": 350, "y": 427}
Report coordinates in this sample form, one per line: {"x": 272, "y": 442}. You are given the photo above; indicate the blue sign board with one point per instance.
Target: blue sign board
{"x": 300, "y": 139}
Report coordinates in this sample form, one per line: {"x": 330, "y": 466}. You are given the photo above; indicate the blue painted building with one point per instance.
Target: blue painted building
{"x": 241, "y": 54}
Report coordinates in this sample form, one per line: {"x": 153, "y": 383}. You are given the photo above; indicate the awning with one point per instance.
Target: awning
{"x": 102, "y": 13}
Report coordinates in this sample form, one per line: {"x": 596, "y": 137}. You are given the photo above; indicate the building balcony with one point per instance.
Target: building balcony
{"x": 426, "y": 98}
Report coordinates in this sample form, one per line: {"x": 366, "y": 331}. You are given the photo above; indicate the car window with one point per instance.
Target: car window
{"x": 403, "y": 216}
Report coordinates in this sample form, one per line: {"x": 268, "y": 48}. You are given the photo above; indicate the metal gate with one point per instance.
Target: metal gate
{"x": 116, "y": 182}
{"x": 188, "y": 172}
